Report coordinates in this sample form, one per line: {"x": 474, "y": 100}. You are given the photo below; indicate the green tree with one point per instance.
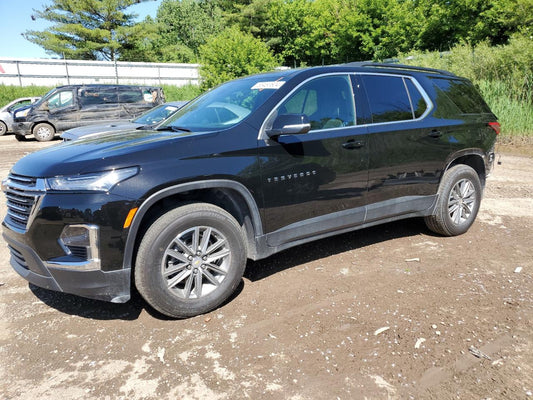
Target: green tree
{"x": 509, "y": 17}
{"x": 232, "y": 54}
{"x": 87, "y": 29}
{"x": 286, "y": 30}
{"x": 448, "y": 23}
{"x": 184, "y": 25}
{"x": 140, "y": 42}
{"x": 384, "y": 27}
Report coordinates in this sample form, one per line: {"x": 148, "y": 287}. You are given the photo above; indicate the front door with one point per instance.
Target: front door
{"x": 99, "y": 105}
{"x": 63, "y": 110}
{"x": 316, "y": 182}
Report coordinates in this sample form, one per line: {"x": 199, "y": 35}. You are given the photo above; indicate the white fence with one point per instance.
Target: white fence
{"x": 43, "y": 72}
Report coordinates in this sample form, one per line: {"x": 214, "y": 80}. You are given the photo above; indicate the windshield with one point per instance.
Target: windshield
{"x": 226, "y": 105}
{"x": 45, "y": 97}
{"x": 156, "y": 114}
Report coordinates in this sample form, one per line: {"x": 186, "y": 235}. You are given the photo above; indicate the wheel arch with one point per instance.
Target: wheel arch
{"x": 35, "y": 123}
{"x": 474, "y": 159}
{"x": 229, "y": 195}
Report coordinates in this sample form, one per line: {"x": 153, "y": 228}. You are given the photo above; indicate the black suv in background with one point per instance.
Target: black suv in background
{"x": 67, "y": 107}
{"x": 250, "y": 168}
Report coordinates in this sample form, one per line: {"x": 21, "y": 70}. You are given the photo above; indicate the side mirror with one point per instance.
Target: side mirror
{"x": 289, "y": 124}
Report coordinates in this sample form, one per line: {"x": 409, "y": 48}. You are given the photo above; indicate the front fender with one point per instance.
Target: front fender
{"x": 185, "y": 187}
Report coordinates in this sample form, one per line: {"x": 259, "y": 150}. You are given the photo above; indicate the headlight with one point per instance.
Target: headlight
{"x": 99, "y": 181}
{"x": 23, "y": 113}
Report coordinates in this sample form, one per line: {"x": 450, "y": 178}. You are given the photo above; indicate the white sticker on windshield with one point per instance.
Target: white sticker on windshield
{"x": 268, "y": 85}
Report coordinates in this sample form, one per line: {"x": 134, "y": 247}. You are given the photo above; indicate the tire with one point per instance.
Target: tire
{"x": 458, "y": 202}
{"x": 43, "y": 132}
{"x": 190, "y": 260}
{"x": 20, "y": 138}
{"x": 3, "y": 128}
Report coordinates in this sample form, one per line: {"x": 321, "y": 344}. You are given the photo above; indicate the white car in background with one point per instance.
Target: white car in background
{"x": 148, "y": 119}
{"x": 6, "y": 112}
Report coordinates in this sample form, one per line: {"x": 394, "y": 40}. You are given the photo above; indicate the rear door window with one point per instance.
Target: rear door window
{"x": 389, "y": 98}
{"x": 134, "y": 96}
{"x": 418, "y": 103}
{"x": 89, "y": 96}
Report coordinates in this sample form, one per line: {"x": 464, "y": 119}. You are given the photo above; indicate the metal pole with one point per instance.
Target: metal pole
{"x": 18, "y": 73}
{"x": 66, "y": 69}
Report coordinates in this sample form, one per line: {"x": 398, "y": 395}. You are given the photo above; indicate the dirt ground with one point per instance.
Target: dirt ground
{"x": 390, "y": 312}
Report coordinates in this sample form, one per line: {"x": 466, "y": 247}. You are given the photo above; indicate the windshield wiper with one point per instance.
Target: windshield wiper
{"x": 173, "y": 128}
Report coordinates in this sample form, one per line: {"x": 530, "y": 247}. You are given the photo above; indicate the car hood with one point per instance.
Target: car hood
{"x": 22, "y": 109}
{"x": 84, "y": 131}
{"x": 110, "y": 151}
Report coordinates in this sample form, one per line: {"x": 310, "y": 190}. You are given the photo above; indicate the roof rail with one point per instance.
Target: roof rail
{"x": 401, "y": 66}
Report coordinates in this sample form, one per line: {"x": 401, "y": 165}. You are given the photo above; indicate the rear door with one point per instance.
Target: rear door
{"x": 316, "y": 182}
{"x": 408, "y": 151}
{"x": 98, "y": 104}
{"x": 136, "y": 100}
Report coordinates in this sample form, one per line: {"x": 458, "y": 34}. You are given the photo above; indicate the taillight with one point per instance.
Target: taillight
{"x": 496, "y": 126}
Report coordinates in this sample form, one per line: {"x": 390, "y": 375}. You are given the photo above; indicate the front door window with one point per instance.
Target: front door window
{"x": 60, "y": 100}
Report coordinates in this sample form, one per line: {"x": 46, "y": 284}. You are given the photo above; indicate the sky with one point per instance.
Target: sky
{"x": 16, "y": 18}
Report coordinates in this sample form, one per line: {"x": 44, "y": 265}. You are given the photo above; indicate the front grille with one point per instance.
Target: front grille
{"x": 21, "y": 194}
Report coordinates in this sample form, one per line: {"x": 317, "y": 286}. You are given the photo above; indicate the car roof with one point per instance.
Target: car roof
{"x": 104, "y": 85}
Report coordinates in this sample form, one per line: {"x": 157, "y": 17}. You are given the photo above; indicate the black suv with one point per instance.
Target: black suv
{"x": 250, "y": 168}
{"x": 67, "y": 107}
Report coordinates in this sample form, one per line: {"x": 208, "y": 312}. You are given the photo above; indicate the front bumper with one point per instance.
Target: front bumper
{"x": 113, "y": 286}
{"x": 22, "y": 128}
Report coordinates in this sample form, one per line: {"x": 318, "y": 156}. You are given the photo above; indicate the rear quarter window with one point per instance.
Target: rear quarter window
{"x": 463, "y": 94}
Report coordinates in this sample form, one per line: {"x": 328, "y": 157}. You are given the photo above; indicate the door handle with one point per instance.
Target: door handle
{"x": 435, "y": 133}
{"x": 353, "y": 144}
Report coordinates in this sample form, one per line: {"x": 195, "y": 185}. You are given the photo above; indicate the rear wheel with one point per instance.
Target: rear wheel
{"x": 43, "y": 132}
{"x": 458, "y": 202}
{"x": 190, "y": 260}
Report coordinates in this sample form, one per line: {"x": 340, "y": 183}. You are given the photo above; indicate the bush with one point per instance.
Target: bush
{"x": 515, "y": 116}
{"x": 232, "y": 54}
{"x": 186, "y": 92}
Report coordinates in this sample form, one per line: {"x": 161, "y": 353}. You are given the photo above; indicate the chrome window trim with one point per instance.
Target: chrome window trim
{"x": 425, "y": 96}
{"x": 430, "y": 106}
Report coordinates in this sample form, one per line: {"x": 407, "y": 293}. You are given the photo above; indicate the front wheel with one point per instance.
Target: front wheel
{"x": 3, "y": 128}
{"x": 458, "y": 202}
{"x": 43, "y": 132}
{"x": 190, "y": 260}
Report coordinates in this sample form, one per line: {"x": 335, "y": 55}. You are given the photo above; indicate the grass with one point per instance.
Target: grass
{"x": 9, "y": 93}
{"x": 515, "y": 116}
{"x": 187, "y": 92}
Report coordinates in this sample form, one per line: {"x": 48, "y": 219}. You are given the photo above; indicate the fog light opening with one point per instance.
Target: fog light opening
{"x": 81, "y": 241}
